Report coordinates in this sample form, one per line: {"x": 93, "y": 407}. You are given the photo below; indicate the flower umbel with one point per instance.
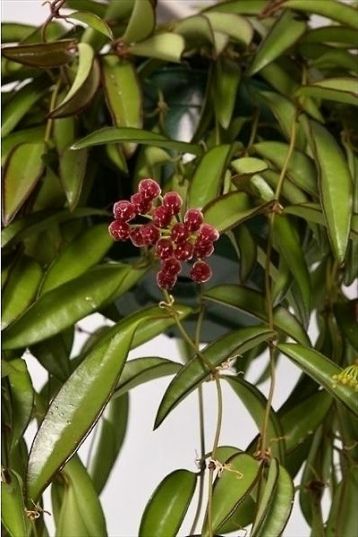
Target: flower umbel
{"x": 347, "y": 377}
{"x": 173, "y": 237}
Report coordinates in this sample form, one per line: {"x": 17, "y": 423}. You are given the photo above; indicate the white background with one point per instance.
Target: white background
{"x": 147, "y": 456}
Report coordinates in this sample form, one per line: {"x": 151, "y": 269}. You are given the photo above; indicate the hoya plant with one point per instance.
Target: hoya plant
{"x": 196, "y": 178}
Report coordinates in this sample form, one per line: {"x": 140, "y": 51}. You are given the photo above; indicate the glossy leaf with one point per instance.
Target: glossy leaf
{"x": 110, "y": 434}
{"x": 226, "y": 80}
{"x": 195, "y": 371}
{"x": 230, "y": 210}
{"x": 252, "y": 302}
{"x": 236, "y": 27}
{"x": 75, "y": 410}
{"x": 81, "y": 510}
{"x": 166, "y": 508}
{"x": 45, "y": 55}
{"x": 137, "y": 372}
{"x": 289, "y": 192}
{"x": 207, "y": 180}
{"x": 139, "y": 136}
{"x": 20, "y": 180}
{"x": 72, "y": 173}
{"x": 141, "y": 23}
{"x": 13, "y": 508}
{"x": 246, "y": 7}
{"x": 162, "y": 46}
{"x": 19, "y": 105}
{"x": 20, "y": 289}
{"x": 196, "y": 30}
{"x": 32, "y": 135}
{"x": 287, "y": 242}
{"x": 94, "y": 21}
{"x": 282, "y": 35}
{"x": 343, "y": 515}
{"x": 321, "y": 369}
{"x": 65, "y": 305}
{"x": 342, "y": 90}
{"x": 54, "y": 354}
{"x": 331, "y": 9}
{"x": 300, "y": 170}
{"x": 336, "y": 195}
{"x": 267, "y": 497}
{"x": 248, "y": 165}
{"x": 255, "y": 403}
{"x": 231, "y": 488}
{"x": 84, "y": 85}
{"x": 281, "y": 506}
{"x": 13, "y": 31}
{"x": 82, "y": 253}
{"x": 332, "y": 34}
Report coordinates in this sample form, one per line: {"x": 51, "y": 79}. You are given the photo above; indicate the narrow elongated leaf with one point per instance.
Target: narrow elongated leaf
{"x": 289, "y": 191}
{"x": 253, "y": 302}
{"x": 248, "y": 165}
{"x": 110, "y": 435}
{"x": 230, "y": 210}
{"x": 162, "y": 46}
{"x": 84, "y": 85}
{"x": 75, "y": 410}
{"x": 245, "y": 7}
{"x": 282, "y": 35}
{"x": 83, "y": 252}
{"x": 346, "y": 315}
{"x": 281, "y": 506}
{"x": 20, "y": 180}
{"x": 342, "y": 90}
{"x": 54, "y": 354}
{"x": 44, "y": 55}
{"x": 321, "y": 369}
{"x": 63, "y": 306}
{"x": 12, "y": 507}
{"x": 21, "y": 102}
{"x": 139, "y": 136}
{"x": 20, "y": 289}
{"x": 287, "y": 242}
{"x": 336, "y": 195}
{"x": 141, "y": 370}
{"x": 284, "y": 111}
{"x": 195, "y": 371}
{"x": 255, "y": 403}
{"x": 226, "y": 80}
{"x": 343, "y": 516}
{"x": 332, "y": 34}
{"x": 331, "y": 9}
{"x": 236, "y": 27}
{"x": 69, "y": 520}
{"x": 32, "y": 135}
{"x": 231, "y": 488}
{"x": 300, "y": 170}
{"x": 196, "y": 30}
{"x": 208, "y": 176}
{"x": 166, "y": 508}
{"x": 141, "y": 23}
{"x": 72, "y": 173}
{"x": 94, "y": 21}
{"x": 12, "y": 32}
{"x": 268, "y": 494}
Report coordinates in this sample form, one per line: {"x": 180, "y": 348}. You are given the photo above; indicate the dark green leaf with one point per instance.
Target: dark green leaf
{"x": 329, "y": 8}
{"x": 12, "y": 507}
{"x": 45, "y": 55}
{"x": 230, "y": 210}
{"x": 21, "y": 102}
{"x": 347, "y": 318}
{"x": 92, "y": 20}
{"x": 32, "y": 135}
{"x": 226, "y": 80}
{"x": 343, "y": 516}
{"x": 72, "y": 173}
{"x": 266, "y": 499}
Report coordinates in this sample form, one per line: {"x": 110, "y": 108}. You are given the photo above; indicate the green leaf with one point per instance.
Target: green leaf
{"x": 166, "y": 508}
{"x": 248, "y": 165}
{"x": 20, "y": 289}
{"x": 162, "y": 46}
{"x": 331, "y": 34}
{"x": 20, "y": 180}
{"x": 343, "y": 516}
{"x": 92, "y": 245}
{"x": 290, "y": 191}
{"x": 195, "y": 371}
{"x": 225, "y": 83}
{"x": 65, "y": 305}
{"x": 345, "y": 313}
{"x": 287, "y": 242}
{"x": 230, "y": 489}
{"x": 282, "y": 35}
{"x": 331, "y": 9}
{"x": 336, "y": 195}
{"x": 32, "y": 135}
{"x": 43, "y": 55}
{"x": 300, "y": 170}
{"x": 236, "y": 27}
{"x": 255, "y": 403}
{"x": 54, "y": 354}
{"x": 84, "y": 85}
{"x": 230, "y": 210}
{"x": 196, "y": 30}
{"x": 92, "y": 20}
{"x": 252, "y": 302}
{"x": 207, "y": 180}
{"x": 12, "y": 32}
{"x": 321, "y": 369}
{"x": 12, "y": 506}
{"x": 138, "y": 136}
{"x": 342, "y": 90}
{"x": 281, "y": 506}
{"x": 141, "y": 370}
{"x": 141, "y": 23}
{"x": 75, "y": 409}
{"x": 246, "y": 7}
{"x": 81, "y": 513}
{"x": 22, "y": 397}
{"x": 267, "y": 496}
{"x": 110, "y": 434}
{"x": 19, "y": 105}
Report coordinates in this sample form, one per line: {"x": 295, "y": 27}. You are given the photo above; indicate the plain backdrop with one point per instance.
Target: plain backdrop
{"x": 147, "y": 456}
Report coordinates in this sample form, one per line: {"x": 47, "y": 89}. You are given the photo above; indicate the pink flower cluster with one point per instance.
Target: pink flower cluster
{"x": 174, "y": 239}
